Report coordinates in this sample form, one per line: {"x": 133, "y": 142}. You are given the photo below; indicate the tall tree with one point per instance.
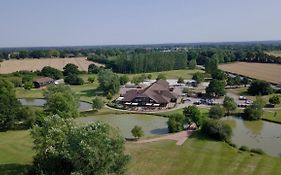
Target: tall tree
{"x": 64, "y": 147}
{"x": 229, "y": 104}
{"x": 193, "y": 115}
{"x": 62, "y": 101}
{"x": 70, "y": 69}
{"x": 9, "y": 105}
{"x": 216, "y": 88}
{"x": 109, "y": 81}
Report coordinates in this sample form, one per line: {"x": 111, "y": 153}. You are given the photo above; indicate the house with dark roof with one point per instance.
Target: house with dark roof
{"x": 45, "y": 81}
{"x": 158, "y": 94}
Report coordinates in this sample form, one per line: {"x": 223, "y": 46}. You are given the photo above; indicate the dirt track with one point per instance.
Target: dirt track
{"x": 261, "y": 71}
{"x": 14, "y": 65}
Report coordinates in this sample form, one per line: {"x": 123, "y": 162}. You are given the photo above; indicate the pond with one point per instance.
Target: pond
{"x": 83, "y": 106}
{"x": 151, "y": 125}
{"x": 256, "y": 134}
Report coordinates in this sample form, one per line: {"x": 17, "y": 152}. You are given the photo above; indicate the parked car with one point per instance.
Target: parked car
{"x": 242, "y": 98}
{"x": 197, "y": 103}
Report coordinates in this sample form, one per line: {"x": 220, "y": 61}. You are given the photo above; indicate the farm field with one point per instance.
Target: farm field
{"x": 197, "y": 155}
{"x": 14, "y": 65}
{"x": 276, "y": 53}
{"x": 261, "y": 71}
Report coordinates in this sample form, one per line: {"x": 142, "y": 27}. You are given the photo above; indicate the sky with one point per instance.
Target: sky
{"x": 27, "y": 23}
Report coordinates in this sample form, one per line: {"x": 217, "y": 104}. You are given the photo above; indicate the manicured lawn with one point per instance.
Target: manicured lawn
{"x": 174, "y": 74}
{"x": 197, "y": 156}
{"x": 270, "y": 115}
{"x": 15, "y": 152}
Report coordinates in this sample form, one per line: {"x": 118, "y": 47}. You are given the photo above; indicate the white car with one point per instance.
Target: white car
{"x": 242, "y": 98}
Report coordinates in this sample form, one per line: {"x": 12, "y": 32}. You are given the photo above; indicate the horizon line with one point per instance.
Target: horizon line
{"x": 143, "y": 44}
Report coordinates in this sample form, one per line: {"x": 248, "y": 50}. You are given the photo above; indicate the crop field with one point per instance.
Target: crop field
{"x": 276, "y": 53}
{"x": 14, "y": 65}
{"x": 261, "y": 71}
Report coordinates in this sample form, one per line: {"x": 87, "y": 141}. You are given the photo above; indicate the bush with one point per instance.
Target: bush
{"x": 244, "y": 148}
{"x": 28, "y": 85}
{"x": 257, "y": 151}
{"x": 176, "y": 123}
{"x": 97, "y": 103}
{"x": 124, "y": 79}
{"x": 137, "y": 131}
{"x": 217, "y": 130}
{"x": 161, "y": 77}
{"x": 180, "y": 80}
{"x": 274, "y": 100}
{"x": 216, "y": 112}
{"x": 91, "y": 79}
{"x": 198, "y": 77}
{"x": 73, "y": 79}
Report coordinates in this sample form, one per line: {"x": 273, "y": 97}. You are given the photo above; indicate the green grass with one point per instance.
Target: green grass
{"x": 173, "y": 74}
{"x": 197, "y": 156}
{"x": 15, "y": 152}
{"x": 270, "y": 115}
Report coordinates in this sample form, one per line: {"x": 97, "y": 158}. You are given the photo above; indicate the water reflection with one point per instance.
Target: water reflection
{"x": 256, "y": 134}
{"x": 83, "y": 106}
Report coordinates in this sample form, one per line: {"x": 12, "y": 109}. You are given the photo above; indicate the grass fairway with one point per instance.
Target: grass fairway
{"x": 197, "y": 156}
{"x": 173, "y": 74}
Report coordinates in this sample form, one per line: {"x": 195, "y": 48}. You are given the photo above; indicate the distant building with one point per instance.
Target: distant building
{"x": 41, "y": 82}
{"x": 158, "y": 94}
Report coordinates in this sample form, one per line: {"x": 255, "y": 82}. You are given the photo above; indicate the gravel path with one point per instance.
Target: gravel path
{"x": 179, "y": 137}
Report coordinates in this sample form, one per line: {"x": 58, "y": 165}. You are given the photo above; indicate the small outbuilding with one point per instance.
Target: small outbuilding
{"x": 41, "y": 82}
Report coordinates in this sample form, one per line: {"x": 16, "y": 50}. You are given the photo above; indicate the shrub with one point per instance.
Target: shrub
{"x": 91, "y": 79}
{"x": 257, "y": 151}
{"x": 28, "y": 85}
{"x": 93, "y": 69}
{"x": 217, "y": 130}
{"x": 244, "y": 148}
{"x": 274, "y": 100}
{"x": 137, "y": 131}
{"x": 180, "y": 80}
{"x": 73, "y": 79}
{"x": 176, "y": 123}
{"x": 97, "y": 103}
{"x": 216, "y": 112}
{"x": 124, "y": 79}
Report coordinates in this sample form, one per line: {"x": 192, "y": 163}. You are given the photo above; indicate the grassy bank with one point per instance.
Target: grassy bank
{"x": 197, "y": 156}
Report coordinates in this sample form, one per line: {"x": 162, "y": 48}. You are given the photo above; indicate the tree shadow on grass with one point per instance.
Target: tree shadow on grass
{"x": 92, "y": 92}
{"x": 14, "y": 169}
{"x": 199, "y": 135}
{"x": 159, "y": 131}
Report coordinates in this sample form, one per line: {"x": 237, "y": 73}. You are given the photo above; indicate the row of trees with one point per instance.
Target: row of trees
{"x": 148, "y": 62}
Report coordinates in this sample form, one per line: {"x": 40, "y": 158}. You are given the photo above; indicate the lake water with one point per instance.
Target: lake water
{"x": 256, "y": 134}
{"x": 151, "y": 125}
{"x": 83, "y": 106}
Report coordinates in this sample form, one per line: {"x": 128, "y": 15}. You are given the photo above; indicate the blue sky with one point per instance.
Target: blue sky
{"x": 101, "y": 22}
